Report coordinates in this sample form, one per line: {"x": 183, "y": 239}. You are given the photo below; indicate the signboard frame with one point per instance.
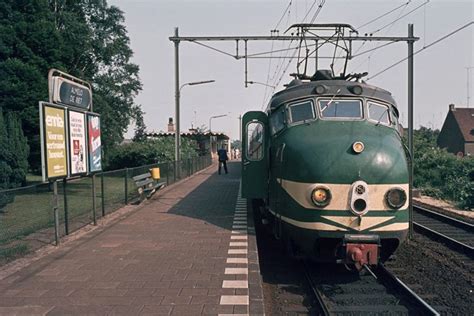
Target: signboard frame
{"x": 86, "y": 140}
{"x": 90, "y": 152}
{"x": 44, "y": 158}
{"x": 55, "y": 77}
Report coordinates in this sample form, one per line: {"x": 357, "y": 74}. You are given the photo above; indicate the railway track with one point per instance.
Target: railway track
{"x": 377, "y": 292}
{"x": 454, "y": 233}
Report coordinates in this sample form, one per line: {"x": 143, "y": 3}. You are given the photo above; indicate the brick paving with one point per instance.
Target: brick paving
{"x": 170, "y": 256}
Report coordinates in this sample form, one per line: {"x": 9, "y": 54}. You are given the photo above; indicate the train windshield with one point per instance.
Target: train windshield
{"x": 379, "y": 113}
{"x": 345, "y": 109}
{"x": 302, "y": 111}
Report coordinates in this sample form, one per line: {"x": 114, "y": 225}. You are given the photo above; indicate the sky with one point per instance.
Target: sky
{"x": 441, "y": 76}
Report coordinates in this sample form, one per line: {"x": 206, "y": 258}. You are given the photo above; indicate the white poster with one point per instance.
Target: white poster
{"x": 77, "y": 143}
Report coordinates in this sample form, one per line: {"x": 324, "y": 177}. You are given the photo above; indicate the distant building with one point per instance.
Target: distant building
{"x": 457, "y": 133}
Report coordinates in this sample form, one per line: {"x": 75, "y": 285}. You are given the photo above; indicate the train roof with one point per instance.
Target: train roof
{"x": 332, "y": 87}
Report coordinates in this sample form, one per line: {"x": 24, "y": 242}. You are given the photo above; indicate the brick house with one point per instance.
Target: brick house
{"x": 457, "y": 133}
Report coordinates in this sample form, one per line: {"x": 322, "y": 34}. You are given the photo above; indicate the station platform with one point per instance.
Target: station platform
{"x": 189, "y": 250}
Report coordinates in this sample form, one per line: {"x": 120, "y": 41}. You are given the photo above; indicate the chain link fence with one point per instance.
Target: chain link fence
{"x": 26, "y": 214}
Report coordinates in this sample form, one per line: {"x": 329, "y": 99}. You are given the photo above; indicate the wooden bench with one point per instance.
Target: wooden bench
{"x": 146, "y": 185}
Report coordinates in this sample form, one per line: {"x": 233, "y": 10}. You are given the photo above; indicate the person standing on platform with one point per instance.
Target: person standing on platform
{"x": 222, "y": 153}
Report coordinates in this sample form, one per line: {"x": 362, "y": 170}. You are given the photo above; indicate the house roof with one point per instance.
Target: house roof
{"x": 465, "y": 119}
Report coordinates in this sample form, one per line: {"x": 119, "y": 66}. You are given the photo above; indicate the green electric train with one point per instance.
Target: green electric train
{"x": 326, "y": 167}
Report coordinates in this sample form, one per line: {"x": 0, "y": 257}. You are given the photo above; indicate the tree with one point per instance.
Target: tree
{"x": 140, "y": 127}
{"x": 86, "y": 38}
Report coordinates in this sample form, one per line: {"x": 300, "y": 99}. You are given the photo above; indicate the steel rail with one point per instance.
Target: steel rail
{"x": 316, "y": 292}
{"x": 384, "y": 275}
{"x": 447, "y": 219}
{"x": 436, "y": 235}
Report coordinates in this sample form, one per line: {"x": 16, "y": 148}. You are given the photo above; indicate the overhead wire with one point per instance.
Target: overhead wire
{"x": 275, "y": 30}
{"x": 422, "y": 49}
{"x": 320, "y": 7}
{"x": 378, "y": 46}
{"x": 401, "y": 17}
{"x": 383, "y": 15}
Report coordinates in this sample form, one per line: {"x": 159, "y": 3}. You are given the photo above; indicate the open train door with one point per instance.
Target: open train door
{"x": 254, "y": 155}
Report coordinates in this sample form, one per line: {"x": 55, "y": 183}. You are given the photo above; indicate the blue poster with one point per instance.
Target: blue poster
{"x": 95, "y": 148}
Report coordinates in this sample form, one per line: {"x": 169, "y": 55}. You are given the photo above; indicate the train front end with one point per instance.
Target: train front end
{"x": 336, "y": 172}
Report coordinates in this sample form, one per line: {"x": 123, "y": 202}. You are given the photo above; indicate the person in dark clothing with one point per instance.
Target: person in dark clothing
{"x": 222, "y": 153}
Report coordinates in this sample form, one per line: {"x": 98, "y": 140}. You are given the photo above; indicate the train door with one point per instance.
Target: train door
{"x": 254, "y": 155}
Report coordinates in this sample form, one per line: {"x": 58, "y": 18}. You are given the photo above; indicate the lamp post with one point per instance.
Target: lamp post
{"x": 468, "y": 70}
{"x": 177, "y": 136}
{"x": 210, "y": 129}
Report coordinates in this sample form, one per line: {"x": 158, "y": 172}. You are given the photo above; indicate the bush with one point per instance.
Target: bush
{"x": 441, "y": 174}
{"x": 148, "y": 152}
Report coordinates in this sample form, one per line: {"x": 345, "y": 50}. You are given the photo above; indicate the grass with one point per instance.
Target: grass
{"x": 31, "y": 209}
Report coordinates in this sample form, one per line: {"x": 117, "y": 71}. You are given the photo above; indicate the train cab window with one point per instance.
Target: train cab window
{"x": 379, "y": 113}
{"x": 344, "y": 109}
{"x": 277, "y": 120}
{"x": 302, "y": 111}
{"x": 254, "y": 140}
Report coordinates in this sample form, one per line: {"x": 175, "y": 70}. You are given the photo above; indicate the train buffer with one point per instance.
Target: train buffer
{"x": 190, "y": 250}
{"x": 147, "y": 186}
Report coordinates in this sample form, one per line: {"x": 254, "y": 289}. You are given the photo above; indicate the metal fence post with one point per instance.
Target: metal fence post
{"x": 55, "y": 211}
{"x": 102, "y": 193}
{"x": 94, "y": 215}
{"x": 126, "y": 186}
{"x": 175, "y": 169}
{"x": 66, "y": 215}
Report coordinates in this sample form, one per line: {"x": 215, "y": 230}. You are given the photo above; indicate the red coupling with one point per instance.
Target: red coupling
{"x": 361, "y": 254}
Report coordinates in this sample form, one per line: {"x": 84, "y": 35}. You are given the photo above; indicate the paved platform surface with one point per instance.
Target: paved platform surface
{"x": 190, "y": 250}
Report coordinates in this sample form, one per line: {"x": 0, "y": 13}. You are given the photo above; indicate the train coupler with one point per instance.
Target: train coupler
{"x": 361, "y": 250}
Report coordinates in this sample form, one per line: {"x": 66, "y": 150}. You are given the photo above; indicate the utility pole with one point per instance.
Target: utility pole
{"x": 177, "y": 135}
{"x": 240, "y": 130}
{"x": 410, "y": 127}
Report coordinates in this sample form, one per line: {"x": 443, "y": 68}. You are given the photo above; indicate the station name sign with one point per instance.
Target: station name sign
{"x": 68, "y": 92}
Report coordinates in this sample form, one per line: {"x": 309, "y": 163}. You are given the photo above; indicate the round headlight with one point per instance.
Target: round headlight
{"x": 396, "y": 198}
{"x": 320, "y": 89}
{"x": 321, "y": 196}
{"x": 356, "y": 90}
{"x": 358, "y": 147}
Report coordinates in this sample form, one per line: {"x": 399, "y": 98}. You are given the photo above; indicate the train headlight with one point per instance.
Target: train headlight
{"x": 358, "y": 147}
{"x": 396, "y": 198}
{"x": 321, "y": 196}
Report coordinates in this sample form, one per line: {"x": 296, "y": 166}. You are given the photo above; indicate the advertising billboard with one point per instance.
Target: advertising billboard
{"x": 54, "y": 141}
{"x": 95, "y": 148}
{"x": 77, "y": 143}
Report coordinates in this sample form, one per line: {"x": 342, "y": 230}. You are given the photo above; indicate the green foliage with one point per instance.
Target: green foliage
{"x": 14, "y": 152}
{"x": 149, "y": 151}
{"x": 85, "y": 38}
{"x": 441, "y": 174}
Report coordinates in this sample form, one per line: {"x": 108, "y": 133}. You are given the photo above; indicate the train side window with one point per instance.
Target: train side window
{"x": 345, "y": 109}
{"x": 379, "y": 113}
{"x": 277, "y": 120}
{"x": 301, "y": 111}
{"x": 395, "y": 120}
{"x": 255, "y": 138}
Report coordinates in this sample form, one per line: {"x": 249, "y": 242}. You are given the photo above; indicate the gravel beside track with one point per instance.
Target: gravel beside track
{"x": 442, "y": 277}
